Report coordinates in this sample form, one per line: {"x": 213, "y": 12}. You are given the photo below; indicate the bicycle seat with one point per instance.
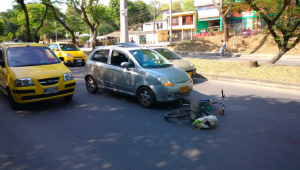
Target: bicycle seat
{"x": 205, "y": 100}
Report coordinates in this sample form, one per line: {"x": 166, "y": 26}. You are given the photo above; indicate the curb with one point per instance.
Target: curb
{"x": 253, "y": 81}
{"x": 285, "y": 57}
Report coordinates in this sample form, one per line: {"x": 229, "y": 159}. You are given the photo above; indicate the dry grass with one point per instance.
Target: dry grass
{"x": 279, "y": 72}
{"x": 259, "y": 44}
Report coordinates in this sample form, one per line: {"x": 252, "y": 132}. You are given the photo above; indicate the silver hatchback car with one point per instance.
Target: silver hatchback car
{"x": 143, "y": 73}
{"x": 176, "y": 60}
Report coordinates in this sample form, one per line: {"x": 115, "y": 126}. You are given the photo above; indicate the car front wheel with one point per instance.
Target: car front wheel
{"x": 91, "y": 85}
{"x": 146, "y": 97}
{"x": 13, "y": 104}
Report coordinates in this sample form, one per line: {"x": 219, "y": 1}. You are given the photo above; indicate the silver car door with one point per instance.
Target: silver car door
{"x": 122, "y": 78}
{"x": 99, "y": 67}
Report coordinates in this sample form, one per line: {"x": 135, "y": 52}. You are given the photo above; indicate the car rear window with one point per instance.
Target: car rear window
{"x": 69, "y": 47}
{"x": 167, "y": 54}
{"x": 30, "y": 56}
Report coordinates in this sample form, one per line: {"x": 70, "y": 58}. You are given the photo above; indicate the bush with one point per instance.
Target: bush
{"x": 248, "y": 32}
{"x": 211, "y": 31}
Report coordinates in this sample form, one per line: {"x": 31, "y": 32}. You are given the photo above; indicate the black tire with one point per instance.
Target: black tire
{"x": 91, "y": 85}
{"x": 68, "y": 97}
{"x": 226, "y": 53}
{"x": 178, "y": 113}
{"x": 217, "y": 52}
{"x": 13, "y": 105}
{"x": 146, "y": 97}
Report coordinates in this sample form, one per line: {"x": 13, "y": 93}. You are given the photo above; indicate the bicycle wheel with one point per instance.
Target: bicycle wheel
{"x": 178, "y": 113}
{"x": 226, "y": 53}
{"x": 217, "y": 52}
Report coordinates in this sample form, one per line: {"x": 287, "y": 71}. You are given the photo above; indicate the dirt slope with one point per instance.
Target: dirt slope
{"x": 259, "y": 44}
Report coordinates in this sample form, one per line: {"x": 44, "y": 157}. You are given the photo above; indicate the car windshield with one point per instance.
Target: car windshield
{"x": 69, "y": 47}
{"x": 149, "y": 59}
{"x": 30, "y": 56}
{"x": 167, "y": 54}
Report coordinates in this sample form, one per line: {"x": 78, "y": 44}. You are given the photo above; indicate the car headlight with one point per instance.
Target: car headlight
{"x": 68, "y": 55}
{"x": 84, "y": 54}
{"x": 68, "y": 77}
{"x": 24, "y": 82}
{"x": 165, "y": 81}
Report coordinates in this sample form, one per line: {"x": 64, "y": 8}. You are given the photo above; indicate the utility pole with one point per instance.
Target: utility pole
{"x": 154, "y": 22}
{"x": 123, "y": 21}
{"x": 55, "y": 32}
{"x": 170, "y": 21}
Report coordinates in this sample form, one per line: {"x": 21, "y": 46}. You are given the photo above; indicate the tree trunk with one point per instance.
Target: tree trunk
{"x": 27, "y": 25}
{"x": 36, "y": 37}
{"x": 94, "y": 38}
{"x": 62, "y": 23}
{"x": 273, "y": 60}
{"x": 226, "y": 34}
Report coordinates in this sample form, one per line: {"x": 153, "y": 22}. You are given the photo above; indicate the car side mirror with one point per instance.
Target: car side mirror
{"x": 2, "y": 64}
{"x": 125, "y": 64}
{"x": 56, "y": 49}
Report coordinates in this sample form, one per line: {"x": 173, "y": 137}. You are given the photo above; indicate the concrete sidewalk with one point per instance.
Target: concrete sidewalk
{"x": 262, "y": 56}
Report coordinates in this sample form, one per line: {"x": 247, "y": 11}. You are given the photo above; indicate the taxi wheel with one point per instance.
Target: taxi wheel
{"x": 12, "y": 103}
{"x": 146, "y": 97}
{"x": 91, "y": 85}
{"x": 68, "y": 97}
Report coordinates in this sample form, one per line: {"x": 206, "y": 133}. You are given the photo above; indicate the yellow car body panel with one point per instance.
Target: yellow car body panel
{"x": 36, "y": 73}
{"x": 75, "y": 55}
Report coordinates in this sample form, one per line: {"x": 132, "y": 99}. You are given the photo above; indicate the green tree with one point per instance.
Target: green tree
{"x": 2, "y": 27}
{"x": 93, "y": 14}
{"x": 282, "y": 19}
{"x": 188, "y": 5}
{"x": 37, "y": 13}
{"x": 176, "y": 6}
{"x": 224, "y": 8}
{"x": 138, "y": 12}
{"x": 27, "y": 24}
{"x": 74, "y": 19}
{"x": 59, "y": 17}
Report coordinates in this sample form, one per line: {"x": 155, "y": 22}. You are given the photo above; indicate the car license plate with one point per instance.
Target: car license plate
{"x": 184, "y": 89}
{"x": 50, "y": 90}
{"x": 79, "y": 61}
{"x": 190, "y": 73}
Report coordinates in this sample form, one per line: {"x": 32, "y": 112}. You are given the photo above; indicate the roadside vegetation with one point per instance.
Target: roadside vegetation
{"x": 278, "y": 72}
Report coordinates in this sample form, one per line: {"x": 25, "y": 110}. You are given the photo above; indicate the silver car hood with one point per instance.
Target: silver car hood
{"x": 183, "y": 64}
{"x": 174, "y": 74}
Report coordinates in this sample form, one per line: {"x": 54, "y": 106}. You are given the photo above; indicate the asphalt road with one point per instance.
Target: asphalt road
{"x": 260, "y": 130}
{"x": 243, "y": 59}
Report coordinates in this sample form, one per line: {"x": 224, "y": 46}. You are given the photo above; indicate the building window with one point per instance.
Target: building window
{"x": 159, "y": 25}
{"x": 187, "y": 20}
{"x": 175, "y": 21}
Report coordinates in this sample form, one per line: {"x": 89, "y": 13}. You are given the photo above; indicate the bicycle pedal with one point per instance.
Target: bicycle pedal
{"x": 221, "y": 112}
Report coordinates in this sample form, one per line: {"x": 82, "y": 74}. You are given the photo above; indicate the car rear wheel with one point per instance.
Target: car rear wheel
{"x": 146, "y": 97}
{"x": 13, "y": 104}
{"x": 91, "y": 85}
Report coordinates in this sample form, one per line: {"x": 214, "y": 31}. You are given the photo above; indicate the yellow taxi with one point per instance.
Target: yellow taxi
{"x": 68, "y": 53}
{"x": 31, "y": 72}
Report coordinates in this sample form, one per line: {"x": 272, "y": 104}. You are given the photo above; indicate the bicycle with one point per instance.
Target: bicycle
{"x": 204, "y": 105}
{"x": 226, "y": 52}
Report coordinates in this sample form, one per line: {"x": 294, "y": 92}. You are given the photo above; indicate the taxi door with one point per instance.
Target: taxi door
{"x": 3, "y": 81}
{"x": 56, "y": 50}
